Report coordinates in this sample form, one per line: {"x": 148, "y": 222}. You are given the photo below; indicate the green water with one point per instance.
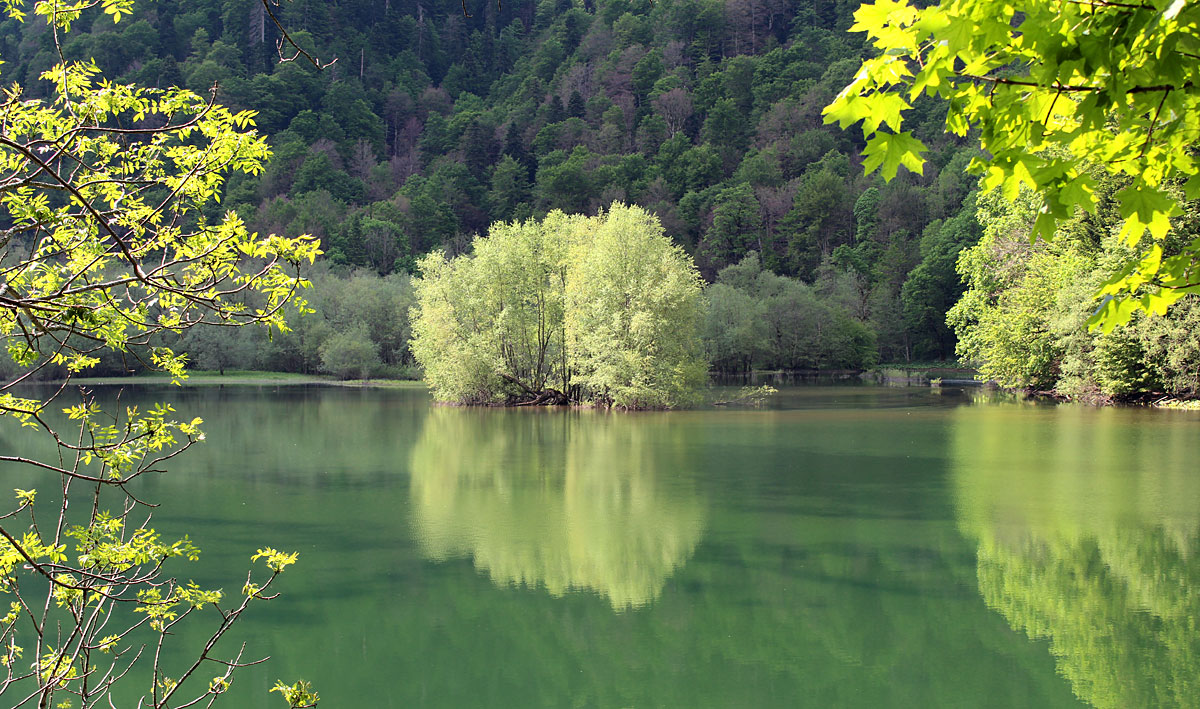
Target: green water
{"x": 845, "y": 546}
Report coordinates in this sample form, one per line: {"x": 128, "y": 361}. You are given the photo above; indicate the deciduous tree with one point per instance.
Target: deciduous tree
{"x": 105, "y": 247}
{"x": 569, "y": 309}
{"x": 1056, "y": 90}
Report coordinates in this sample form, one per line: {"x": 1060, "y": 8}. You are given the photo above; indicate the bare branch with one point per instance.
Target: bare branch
{"x": 286, "y": 38}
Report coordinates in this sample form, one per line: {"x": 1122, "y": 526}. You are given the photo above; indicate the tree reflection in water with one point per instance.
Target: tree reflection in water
{"x": 559, "y": 500}
{"x": 1100, "y": 557}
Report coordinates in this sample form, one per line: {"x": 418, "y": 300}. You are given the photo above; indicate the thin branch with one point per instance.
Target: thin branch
{"x": 1103, "y": 3}
{"x": 1153, "y": 124}
{"x": 1074, "y": 88}
{"x": 287, "y": 38}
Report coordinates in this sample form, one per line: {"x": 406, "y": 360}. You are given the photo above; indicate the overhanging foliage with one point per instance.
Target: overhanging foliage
{"x": 1054, "y": 89}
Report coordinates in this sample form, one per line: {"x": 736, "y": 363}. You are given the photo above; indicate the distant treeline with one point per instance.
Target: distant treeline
{"x": 359, "y": 328}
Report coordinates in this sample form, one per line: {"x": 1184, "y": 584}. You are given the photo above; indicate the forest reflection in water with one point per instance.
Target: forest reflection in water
{"x": 560, "y": 501}
{"x": 1088, "y": 535}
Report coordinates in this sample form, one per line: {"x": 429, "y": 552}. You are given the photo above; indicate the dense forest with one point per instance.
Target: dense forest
{"x": 439, "y": 119}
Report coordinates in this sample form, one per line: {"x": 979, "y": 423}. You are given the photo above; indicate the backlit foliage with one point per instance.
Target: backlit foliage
{"x": 1053, "y": 90}
{"x": 107, "y": 192}
{"x": 603, "y": 310}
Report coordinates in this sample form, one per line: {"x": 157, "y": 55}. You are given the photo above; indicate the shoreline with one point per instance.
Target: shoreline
{"x": 933, "y": 376}
{"x": 242, "y": 378}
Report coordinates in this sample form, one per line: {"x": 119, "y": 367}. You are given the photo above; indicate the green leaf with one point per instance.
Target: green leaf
{"x": 885, "y": 108}
{"x": 1044, "y": 226}
{"x": 1112, "y": 312}
{"x": 1158, "y": 303}
{"x": 874, "y": 17}
{"x": 873, "y": 111}
{"x": 888, "y": 151}
{"x": 1145, "y": 207}
{"x": 847, "y": 111}
{"x": 1191, "y": 188}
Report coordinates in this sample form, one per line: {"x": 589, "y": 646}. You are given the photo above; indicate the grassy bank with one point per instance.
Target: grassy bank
{"x": 248, "y": 378}
{"x": 1179, "y": 404}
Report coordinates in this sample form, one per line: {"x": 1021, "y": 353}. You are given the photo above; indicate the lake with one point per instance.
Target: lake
{"x": 848, "y": 546}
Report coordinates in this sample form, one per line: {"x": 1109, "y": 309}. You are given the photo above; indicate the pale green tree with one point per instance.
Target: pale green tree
{"x": 568, "y": 309}
{"x": 452, "y": 337}
{"x": 634, "y": 313}
{"x": 489, "y": 327}
{"x": 350, "y": 353}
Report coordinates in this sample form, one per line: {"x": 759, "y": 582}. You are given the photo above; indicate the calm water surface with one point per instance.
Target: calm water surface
{"x": 844, "y": 546}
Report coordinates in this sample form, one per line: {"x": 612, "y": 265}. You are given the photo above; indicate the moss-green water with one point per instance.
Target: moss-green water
{"x": 842, "y": 546}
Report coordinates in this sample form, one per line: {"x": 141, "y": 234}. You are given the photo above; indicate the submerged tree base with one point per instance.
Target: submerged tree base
{"x": 550, "y": 397}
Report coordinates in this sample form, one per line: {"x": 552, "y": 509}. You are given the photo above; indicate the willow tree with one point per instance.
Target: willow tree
{"x": 634, "y": 314}
{"x": 489, "y": 327}
{"x": 569, "y": 309}
{"x": 1055, "y": 92}
{"x": 105, "y": 247}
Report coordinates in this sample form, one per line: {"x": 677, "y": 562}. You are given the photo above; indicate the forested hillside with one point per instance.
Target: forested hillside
{"x": 433, "y": 124}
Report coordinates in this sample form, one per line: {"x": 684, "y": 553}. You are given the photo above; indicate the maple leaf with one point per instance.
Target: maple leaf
{"x": 888, "y": 151}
